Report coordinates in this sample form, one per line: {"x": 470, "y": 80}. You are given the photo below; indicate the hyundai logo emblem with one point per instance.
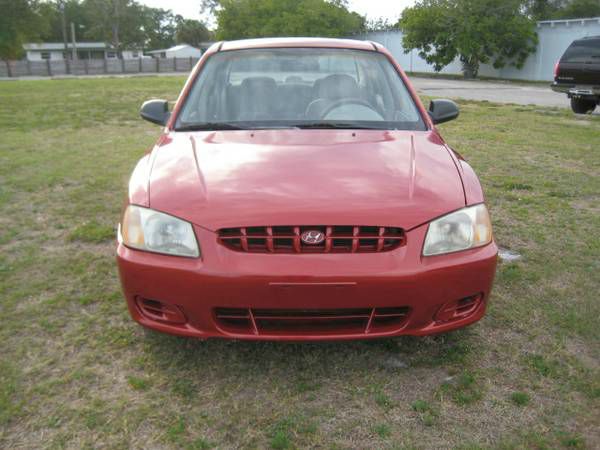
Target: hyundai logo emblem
{"x": 312, "y": 237}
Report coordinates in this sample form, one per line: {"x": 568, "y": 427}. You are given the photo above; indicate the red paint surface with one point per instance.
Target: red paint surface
{"x": 294, "y": 177}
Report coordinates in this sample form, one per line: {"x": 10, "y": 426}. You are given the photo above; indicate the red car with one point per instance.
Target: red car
{"x": 300, "y": 191}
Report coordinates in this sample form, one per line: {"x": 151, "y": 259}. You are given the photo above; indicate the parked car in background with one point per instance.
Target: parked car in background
{"x": 578, "y": 74}
{"x": 301, "y": 191}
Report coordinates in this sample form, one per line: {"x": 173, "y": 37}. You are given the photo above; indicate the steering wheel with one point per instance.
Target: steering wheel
{"x": 347, "y": 101}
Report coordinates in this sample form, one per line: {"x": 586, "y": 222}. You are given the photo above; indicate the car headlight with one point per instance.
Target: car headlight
{"x": 463, "y": 229}
{"x": 153, "y": 231}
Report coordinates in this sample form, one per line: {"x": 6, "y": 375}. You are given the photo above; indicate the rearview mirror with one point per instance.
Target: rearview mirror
{"x": 442, "y": 111}
{"x": 155, "y": 111}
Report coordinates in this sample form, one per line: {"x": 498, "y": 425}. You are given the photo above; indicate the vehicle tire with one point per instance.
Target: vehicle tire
{"x": 582, "y": 105}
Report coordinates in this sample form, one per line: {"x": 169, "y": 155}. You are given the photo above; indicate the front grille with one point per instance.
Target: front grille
{"x": 311, "y": 321}
{"x": 287, "y": 239}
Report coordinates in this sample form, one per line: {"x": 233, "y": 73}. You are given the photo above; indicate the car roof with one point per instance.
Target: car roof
{"x": 296, "y": 42}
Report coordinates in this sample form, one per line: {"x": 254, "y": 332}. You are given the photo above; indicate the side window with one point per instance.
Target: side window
{"x": 582, "y": 51}
{"x": 46, "y": 55}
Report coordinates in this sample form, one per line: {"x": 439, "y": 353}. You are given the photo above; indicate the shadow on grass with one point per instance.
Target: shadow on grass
{"x": 324, "y": 360}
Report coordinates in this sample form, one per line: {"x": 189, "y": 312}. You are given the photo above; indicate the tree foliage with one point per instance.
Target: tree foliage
{"x": 20, "y": 20}
{"x": 191, "y": 32}
{"x": 577, "y": 9}
{"x": 541, "y": 9}
{"x": 238, "y": 19}
{"x": 475, "y": 31}
{"x": 121, "y": 23}
{"x": 380, "y": 24}
{"x": 160, "y": 26}
{"x": 563, "y": 9}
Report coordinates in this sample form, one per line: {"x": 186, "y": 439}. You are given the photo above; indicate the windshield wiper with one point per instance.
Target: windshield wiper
{"x": 334, "y": 126}
{"x": 210, "y": 126}
{"x": 218, "y": 126}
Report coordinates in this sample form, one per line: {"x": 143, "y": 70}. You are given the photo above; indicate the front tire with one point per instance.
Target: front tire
{"x": 582, "y": 105}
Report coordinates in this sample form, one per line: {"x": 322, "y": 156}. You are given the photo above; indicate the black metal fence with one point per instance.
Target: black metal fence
{"x": 49, "y": 68}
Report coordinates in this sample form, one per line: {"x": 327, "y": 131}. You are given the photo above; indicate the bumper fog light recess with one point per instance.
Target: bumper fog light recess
{"x": 458, "y": 309}
{"x": 160, "y": 311}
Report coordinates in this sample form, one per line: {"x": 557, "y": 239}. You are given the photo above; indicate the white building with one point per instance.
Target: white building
{"x": 55, "y": 51}
{"x": 179, "y": 51}
{"x": 554, "y": 36}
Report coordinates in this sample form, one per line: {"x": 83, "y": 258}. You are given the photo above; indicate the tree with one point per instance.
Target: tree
{"x": 119, "y": 22}
{"x": 210, "y": 7}
{"x": 19, "y": 22}
{"x": 191, "y": 32}
{"x": 126, "y": 23}
{"x": 159, "y": 27}
{"x": 578, "y": 9}
{"x": 475, "y": 31}
{"x": 542, "y": 9}
{"x": 563, "y": 9}
{"x": 74, "y": 12}
{"x": 262, "y": 18}
{"x": 380, "y": 24}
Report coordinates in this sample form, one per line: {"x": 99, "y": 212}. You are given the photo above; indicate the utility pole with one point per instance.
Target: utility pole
{"x": 115, "y": 28}
{"x": 63, "y": 21}
{"x": 73, "y": 41}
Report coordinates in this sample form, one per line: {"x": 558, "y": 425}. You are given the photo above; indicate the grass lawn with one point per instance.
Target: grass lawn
{"x": 76, "y": 372}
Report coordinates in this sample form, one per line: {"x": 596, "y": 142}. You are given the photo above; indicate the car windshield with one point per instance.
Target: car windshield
{"x": 299, "y": 88}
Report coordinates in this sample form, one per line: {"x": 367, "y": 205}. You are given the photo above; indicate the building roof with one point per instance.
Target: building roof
{"x": 61, "y": 46}
{"x": 568, "y": 21}
{"x": 45, "y": 46}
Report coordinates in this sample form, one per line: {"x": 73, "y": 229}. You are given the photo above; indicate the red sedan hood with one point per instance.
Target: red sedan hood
{"x": 307, "y": 177}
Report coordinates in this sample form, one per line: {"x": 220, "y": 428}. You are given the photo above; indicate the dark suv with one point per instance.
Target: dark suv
{"x": 578, "y": 74}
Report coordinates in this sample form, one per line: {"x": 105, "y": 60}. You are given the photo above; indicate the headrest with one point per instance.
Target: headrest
{"x": 258, "y": 83}
{"x": 337, "y": 86}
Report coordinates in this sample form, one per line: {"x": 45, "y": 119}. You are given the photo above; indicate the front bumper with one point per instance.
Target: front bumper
{"x": 573, "y": 90}
{"x": 402, "y": 278}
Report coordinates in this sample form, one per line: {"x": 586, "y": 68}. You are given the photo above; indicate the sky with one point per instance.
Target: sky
{"x": 373, "y": 9}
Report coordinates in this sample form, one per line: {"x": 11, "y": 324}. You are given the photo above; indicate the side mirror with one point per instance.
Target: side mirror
{"x": 155, "y": 111}
{"x": 442, "y": 111}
